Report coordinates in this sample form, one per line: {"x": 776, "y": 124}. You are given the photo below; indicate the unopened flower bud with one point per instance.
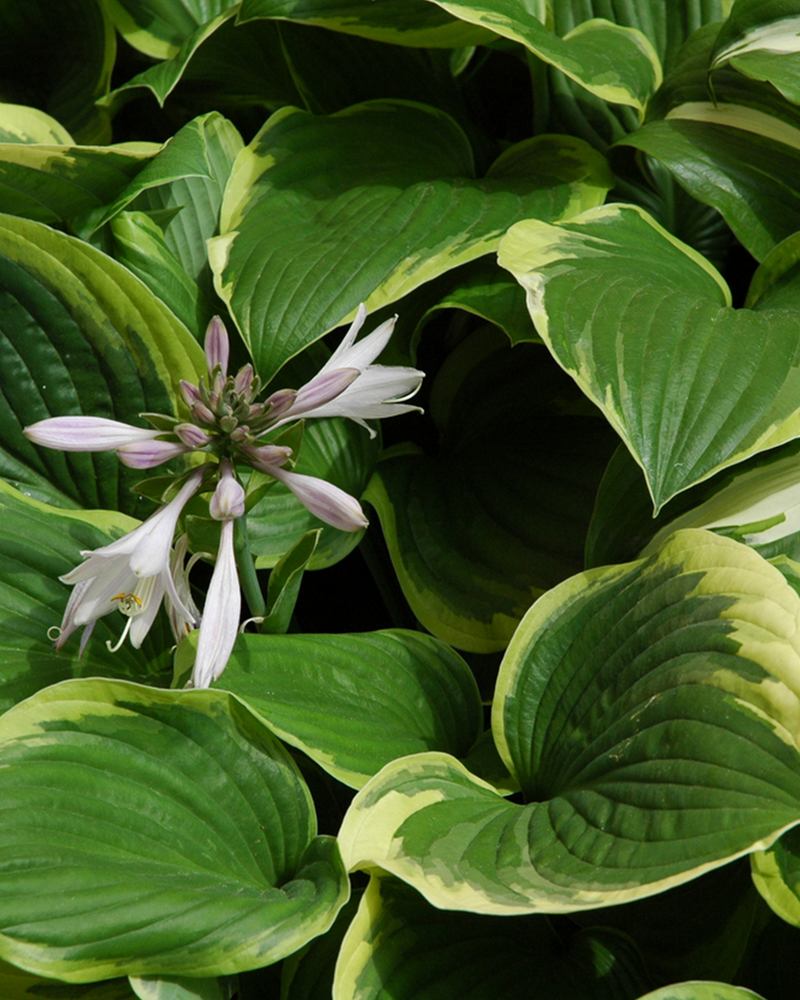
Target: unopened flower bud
{"x": 280, "y": 402}
{"x": 189, "y": 392}
{"x": 217, "y": 347}
{"x": 228, "y": 499}
{"x": 202, "y": 414}
{"x": 192, "y": 436}
{"x": 244, "y": 379}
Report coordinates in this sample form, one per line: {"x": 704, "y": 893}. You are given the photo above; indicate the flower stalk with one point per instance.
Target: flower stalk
{"x": 228, "y": 425}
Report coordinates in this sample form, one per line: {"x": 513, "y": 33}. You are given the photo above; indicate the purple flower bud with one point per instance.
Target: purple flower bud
{"x": 267, "y": 456}
{"x": 228, "y": 499}
{"x": 202, "y": 413}
{"x": 148, "y": 454}
{"x": 192, "y": 436}
{"x": 217, "y": 347}
{"x": 244, "y": 379}
{"x": 280, "y": 402}
{"x": 190, "y": 393}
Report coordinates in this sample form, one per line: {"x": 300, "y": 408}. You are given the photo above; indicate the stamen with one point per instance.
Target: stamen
{"x": 113, "y": 649}
{"x": 129, "y": 604}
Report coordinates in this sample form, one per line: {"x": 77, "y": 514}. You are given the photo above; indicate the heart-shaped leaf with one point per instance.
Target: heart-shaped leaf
{"x": 81, "y": 335}
{"x": 649, "y": 714}
{"x": 398, "y": 945}
{"x": 644, "y": 325}
{"x": 308, "y": 231}
{"x": 154, "y": 832}
{"x": 387, "y": 694}
{"x": 482, "y": 528}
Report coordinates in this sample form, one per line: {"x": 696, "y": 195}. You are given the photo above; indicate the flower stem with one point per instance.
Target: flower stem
{"x": 248, "y": 578}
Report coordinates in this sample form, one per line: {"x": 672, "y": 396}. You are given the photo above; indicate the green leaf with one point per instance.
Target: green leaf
{"x": 307, "y": 232}
{"x": 184, "y": 183}
{"x": 284, "y": 584}
{"x": 387, "y": 694}
{"x": 400, "y": 946}
{"x": 183, "y": 988}
{"x": 649, "y": 713}
{"x": 159, "y": 27}
{"x": 702, "y": 991}
{"x": 37, "y": 545}
{"x": 155, "y": 833}
{"x": 615, "y": 63}
{"x": 702, "y": 929}
{"x": 479, "y": 530}
{"x": 220, "y": 65}
{"x": 336, "y": 450}
{"x": 80, "y": 334}
{"x": 139, "y": 245}
{"x": 308, "y": 974}
{"x": 776, "y": 873}
{"x": 402, "y": 22}
{"x": 47, "y": 176}
{"x": 15, "y": 984}
{"x": 59, "y": 59}
{"x": 28, "y": 125}
{"x": 731, "y": 142}
{"x": 644, "y": 325}
{"x": 162, "y": 78}
{"x": 757, "y": 34}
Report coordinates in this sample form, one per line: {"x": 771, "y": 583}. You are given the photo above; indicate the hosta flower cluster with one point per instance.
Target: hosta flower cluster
{"x": 227, "y": 426}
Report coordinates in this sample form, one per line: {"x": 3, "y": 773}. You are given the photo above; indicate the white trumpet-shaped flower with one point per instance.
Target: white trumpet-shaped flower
{"x": 130, "y": 575}
{"x": 350, "y": 385}
{"x": 223, "y": 605}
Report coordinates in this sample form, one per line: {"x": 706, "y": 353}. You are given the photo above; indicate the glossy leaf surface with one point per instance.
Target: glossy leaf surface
{"x": 163, "y": 832}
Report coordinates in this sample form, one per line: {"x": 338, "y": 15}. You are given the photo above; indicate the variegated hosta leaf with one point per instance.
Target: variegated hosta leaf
{"x": 39, "y": 543}
{"x": 762, "y": 40}
{"x": 400, "y": 946}
{"x": 16, "y": 984}
{"x": 81, "y": 335}
{"x": 650, "y": 713}
{"x": 615, "y": 63}
{"x": 182, "y": 189}
{"x": 150, "y": 832}
{"x": 19, "y": 123}
{"x": 731, "y": 142}
{"x": 702, "y": 991}
{"x": 776, "y": 873}
{"x": 308, "y": 230}
{"x": 644, "y": 325}
{"x": 401, "y": 22}
{"x": 184, "y": 988}
{"x": 479, "y": 530}
{"x": 47, "y": 176}
{"x": 159, "y": 27}
{"x": 387, "y": 694}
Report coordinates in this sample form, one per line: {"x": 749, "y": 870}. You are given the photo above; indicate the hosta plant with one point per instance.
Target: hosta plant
{"x": 400, "y": 500}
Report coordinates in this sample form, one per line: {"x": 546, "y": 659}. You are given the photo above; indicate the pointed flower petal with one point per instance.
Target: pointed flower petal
{"x": 324, "y": 500}
{"x": 374, "y": 394}
{"x": 221, "y": 615}
{"x": 86, "y": 433}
